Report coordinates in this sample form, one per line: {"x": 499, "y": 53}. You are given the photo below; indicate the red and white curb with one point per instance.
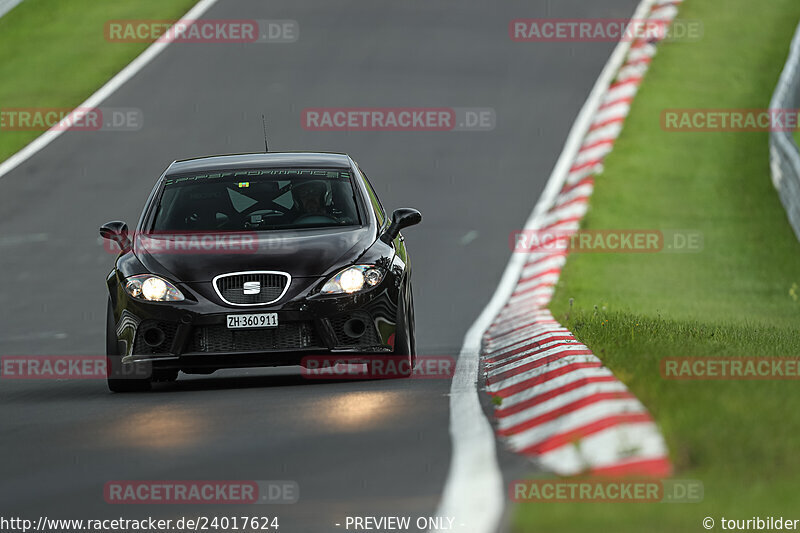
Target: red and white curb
{"x": 558, "y": 403}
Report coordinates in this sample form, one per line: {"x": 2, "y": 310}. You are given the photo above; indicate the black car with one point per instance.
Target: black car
{"x": 257, "y": 260}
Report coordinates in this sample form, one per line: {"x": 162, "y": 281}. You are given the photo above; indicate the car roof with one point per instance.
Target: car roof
{"x": 261, "y": 160}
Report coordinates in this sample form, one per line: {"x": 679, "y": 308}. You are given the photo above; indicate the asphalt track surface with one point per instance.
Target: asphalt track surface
{"x": 355, "y": 448}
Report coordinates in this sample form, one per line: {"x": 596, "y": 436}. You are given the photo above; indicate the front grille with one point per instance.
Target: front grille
{"x": 270, "y": 286}
{"x": 368, "y": 338}
{"x": 287, "y": 336}
{"x": 140, "y": 347}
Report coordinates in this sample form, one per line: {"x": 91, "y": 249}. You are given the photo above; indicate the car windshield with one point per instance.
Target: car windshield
{"x": 256, "y": 200}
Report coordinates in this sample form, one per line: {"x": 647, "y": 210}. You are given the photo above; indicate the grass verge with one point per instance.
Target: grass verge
{"x": 739, "y": 296}
{"x": 54, "y": 54}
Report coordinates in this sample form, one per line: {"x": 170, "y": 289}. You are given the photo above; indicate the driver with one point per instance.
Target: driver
{"x": 309, "y": 198}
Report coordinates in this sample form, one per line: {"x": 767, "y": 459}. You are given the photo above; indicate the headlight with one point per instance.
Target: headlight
{"x": 353, "y": 279}
{"x": 153, "y": 289}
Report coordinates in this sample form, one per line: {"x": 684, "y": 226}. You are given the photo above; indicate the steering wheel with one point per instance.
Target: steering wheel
{"x": 264, "y": 205}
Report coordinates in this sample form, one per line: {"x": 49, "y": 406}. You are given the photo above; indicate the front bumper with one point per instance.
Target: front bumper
{"x": 193, "y": 335}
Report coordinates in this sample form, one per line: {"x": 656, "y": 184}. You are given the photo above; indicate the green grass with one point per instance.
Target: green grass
{"x": 737, "y": 297}
{"x": 54, "y": 54}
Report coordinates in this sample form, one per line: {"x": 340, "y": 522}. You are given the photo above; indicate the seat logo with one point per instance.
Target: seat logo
{"x": 252, "y": 287}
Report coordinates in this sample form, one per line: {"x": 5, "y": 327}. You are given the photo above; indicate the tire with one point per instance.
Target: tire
{"x": 114, "y": 371}
{"x": 404, "y": 338}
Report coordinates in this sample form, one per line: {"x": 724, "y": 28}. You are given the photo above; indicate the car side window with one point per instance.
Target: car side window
{"x": 376, "y": 203}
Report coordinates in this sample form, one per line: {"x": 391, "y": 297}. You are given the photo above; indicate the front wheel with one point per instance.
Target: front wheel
{"x": 119, "y": 378}
{"x": 404, "y": 338}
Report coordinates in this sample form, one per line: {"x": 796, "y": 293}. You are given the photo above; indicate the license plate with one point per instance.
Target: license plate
{"x": 261, "y": 320}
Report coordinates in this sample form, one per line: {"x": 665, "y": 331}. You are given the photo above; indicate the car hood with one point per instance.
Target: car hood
{"x": 301, "y": 253}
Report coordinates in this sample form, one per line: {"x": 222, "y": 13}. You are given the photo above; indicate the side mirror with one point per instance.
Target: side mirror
{"x": 401, "y": 218}
{"x": 116, "y": 231}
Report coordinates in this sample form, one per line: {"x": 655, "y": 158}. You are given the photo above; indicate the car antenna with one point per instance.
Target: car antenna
{"x": 264, "y": 122}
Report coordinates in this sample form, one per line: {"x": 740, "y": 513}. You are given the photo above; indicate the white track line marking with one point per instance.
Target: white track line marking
{"x": 8, "y": 5}
{"x": 101, "y": 94}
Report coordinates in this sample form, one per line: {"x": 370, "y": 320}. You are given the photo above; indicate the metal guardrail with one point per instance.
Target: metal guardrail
{"x": 784, "y": 154}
